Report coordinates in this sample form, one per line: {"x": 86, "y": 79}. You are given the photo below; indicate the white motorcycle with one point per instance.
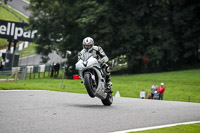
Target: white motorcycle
{"x": 93, "y": 78}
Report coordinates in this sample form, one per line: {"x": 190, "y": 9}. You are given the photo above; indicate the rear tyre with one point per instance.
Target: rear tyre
{"x": 109, "y": 100}
{"x": 88, "y": 85}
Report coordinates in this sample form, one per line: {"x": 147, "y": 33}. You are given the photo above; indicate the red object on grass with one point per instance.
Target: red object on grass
{"x": 76, "y": 77}
{"x": 145, "y": 60}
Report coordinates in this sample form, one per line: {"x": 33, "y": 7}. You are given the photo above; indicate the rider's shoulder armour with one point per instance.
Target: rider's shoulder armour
{"x": 96, "y": 48}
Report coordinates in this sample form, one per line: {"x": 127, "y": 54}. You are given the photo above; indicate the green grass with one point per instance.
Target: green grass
{"x": 190, "y": 128}
{"x": 45, "y": 84}
{"x": 6, "y": 15}
{"x": 3, "y": 42}
{"x": 30, "y": 50}
{"x": 179, "y": 84}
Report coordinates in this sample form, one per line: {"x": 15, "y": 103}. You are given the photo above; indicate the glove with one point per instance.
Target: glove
{"x": 101, "y": 61}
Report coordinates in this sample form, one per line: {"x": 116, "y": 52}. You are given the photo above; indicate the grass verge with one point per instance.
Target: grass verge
{"x": 6, "y": 15}
{"x": 180, "y": 85}
{"x": 190, "y": 128}
{"x": 30, "y": 50}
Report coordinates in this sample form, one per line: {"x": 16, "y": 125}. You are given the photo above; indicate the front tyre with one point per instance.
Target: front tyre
{"x": 88, "y": 85}
{"x": 109, "y": 100}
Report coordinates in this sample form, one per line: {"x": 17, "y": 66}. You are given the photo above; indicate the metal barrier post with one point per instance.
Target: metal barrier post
{"x": 34, "y": 75}
{"x": 189, "y": 99}
{"x": 44, "y": 72}
{"x": 24, "y": 73}
{"x": 30, "y": 73}
{"x": 38, "y": 72}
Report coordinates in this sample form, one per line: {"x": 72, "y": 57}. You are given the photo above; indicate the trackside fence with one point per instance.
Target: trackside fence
{"x": 27, "y": 72}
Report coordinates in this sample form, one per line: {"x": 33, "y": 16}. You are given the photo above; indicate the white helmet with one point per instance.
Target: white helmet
{"x": 88, "y": 41}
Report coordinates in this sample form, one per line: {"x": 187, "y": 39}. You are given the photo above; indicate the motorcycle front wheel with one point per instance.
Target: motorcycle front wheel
{"x": 88, "y": 85}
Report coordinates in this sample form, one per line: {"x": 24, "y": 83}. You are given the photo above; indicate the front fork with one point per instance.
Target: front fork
{"x": 94, "y": 83}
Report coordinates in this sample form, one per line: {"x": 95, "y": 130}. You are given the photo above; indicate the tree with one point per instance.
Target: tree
{"x": 154, "y": 35}
{"x": 57, "y": 30}
{"x": 185, "y": 21}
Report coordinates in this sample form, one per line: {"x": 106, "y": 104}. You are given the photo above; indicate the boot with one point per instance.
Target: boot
{"x": 109, "y": 84}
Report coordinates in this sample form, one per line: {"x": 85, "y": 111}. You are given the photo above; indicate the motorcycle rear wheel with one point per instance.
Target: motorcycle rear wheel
{"x": 88, "y": 85}
{"x": 109, "y": 100}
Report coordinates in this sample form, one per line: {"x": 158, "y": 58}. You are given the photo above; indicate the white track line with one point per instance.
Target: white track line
{"x": 26, "y": 1}
{"x": 20, "y": 90}
{"x": 156, "y": 127}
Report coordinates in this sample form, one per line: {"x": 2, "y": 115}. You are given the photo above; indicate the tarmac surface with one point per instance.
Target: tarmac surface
{"x": 61, "y": 112}
{"x": 36, "y": 59}
{"x": 20, "y": 6}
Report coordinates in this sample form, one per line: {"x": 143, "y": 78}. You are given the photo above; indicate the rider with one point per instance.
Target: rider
{"x": 98, "y": 53}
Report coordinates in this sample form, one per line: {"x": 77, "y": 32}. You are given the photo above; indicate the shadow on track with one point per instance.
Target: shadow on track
{"x": 94, "y": 106}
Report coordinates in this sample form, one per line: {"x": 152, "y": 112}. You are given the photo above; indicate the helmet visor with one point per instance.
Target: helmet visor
{"x": 87, "y": 46}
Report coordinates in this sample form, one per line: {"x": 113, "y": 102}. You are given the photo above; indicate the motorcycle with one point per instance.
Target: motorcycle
{"x": 93, "y": 78}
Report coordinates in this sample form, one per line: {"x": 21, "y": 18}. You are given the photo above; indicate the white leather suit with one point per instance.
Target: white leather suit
{"x": 99, "y": 54}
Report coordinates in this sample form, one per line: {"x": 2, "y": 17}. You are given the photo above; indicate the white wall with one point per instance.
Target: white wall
{"x": 42, "y": 68}
{"x": 15, "y": 69}
{"x": 29, "y": 69}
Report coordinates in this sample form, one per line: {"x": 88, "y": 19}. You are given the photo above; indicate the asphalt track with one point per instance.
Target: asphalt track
{"x": 20, "y": 6}
{"x": 61, "y": 112}
{"x": 36, "y": 59}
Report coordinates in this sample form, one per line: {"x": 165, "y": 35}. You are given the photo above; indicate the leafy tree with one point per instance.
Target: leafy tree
{"x": 154, "y": 35}
{"x": 57, "y": 29}
{"x": 186, "y": 20}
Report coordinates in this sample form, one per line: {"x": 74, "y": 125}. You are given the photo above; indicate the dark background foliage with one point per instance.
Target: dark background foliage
{"x": 154, "y": 35}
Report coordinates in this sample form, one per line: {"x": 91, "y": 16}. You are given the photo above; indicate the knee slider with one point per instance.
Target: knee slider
{"x": 106, "y": 70}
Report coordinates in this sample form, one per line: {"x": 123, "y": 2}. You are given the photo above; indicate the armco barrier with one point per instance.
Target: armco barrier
{"x": 32, "y": 70}
{"x": 35, "y": 69}
{"x": 47, "y": 68}
{"x": 22, "y": 68}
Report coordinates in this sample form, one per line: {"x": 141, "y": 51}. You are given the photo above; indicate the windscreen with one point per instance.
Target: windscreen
{"x": 86, "y": 56}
